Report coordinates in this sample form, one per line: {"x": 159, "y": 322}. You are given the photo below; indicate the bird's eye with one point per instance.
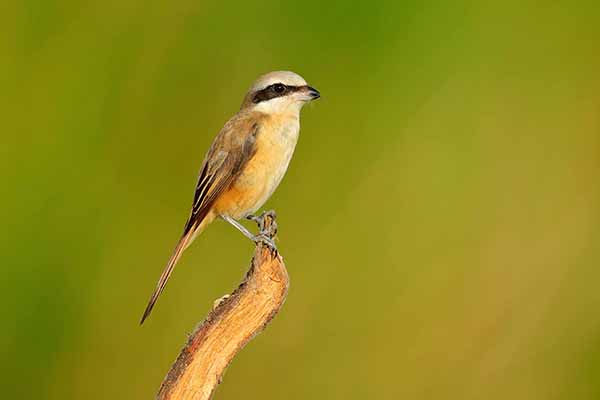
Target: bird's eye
{"x": 278, "y": 88}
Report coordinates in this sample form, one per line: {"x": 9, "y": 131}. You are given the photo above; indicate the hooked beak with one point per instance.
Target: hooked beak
{"x": 313, "y": 93}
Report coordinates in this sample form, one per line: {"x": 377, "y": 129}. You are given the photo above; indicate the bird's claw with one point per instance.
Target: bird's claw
{"x": 267, "y": 228}
{"x": 266, "y": 240}
{"x": 260, "y": 220}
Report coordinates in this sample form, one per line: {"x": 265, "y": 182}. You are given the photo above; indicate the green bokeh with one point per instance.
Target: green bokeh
{"x": 440, "y": 220}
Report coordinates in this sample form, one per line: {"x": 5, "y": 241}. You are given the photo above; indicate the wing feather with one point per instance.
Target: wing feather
{"x": 224, "y": 162}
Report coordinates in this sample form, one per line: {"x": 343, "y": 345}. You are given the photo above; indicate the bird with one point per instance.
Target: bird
{"x": 246, "y": 161}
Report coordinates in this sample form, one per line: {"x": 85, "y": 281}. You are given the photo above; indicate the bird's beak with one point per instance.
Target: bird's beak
{"x": 306, "y": 93}
{"x": 313, "y": 93}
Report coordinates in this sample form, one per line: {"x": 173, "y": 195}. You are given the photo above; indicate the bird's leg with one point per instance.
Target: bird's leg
{"x": 261, "y": 237}
{"x": 239, "y": 226}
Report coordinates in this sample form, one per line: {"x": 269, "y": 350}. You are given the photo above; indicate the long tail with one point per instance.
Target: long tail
{"x": 162, "y": 281}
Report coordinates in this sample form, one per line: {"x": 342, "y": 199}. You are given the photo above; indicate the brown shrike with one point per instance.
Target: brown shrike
{"x": 246, "y": 161}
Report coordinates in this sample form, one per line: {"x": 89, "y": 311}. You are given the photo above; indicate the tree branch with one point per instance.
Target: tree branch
{"x": 232, "y": 323}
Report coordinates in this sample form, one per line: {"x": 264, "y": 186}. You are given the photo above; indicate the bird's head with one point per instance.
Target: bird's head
{"x": 279, "y": 92}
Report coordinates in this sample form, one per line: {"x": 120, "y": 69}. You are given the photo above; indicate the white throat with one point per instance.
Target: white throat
{"x": 280, "y": 106}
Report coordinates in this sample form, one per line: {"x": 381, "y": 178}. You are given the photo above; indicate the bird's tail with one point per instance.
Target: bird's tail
{"x": 187, "y": 239}
{"x": 164, "y": 277}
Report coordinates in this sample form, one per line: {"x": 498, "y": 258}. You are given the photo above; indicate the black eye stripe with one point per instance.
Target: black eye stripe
{"x": 269, "y": 92}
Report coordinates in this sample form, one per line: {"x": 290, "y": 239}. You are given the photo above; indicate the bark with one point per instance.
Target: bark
{"x": 232, "y": 323}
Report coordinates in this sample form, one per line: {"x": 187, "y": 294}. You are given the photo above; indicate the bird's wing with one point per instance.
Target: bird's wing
{"x": 230, "y": 151}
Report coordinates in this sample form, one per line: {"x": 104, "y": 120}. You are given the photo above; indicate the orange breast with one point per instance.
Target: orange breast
{"x": 262, "y": 174}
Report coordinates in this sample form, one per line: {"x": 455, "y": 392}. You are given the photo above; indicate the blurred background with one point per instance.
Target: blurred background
{"x": 440, "y": 219}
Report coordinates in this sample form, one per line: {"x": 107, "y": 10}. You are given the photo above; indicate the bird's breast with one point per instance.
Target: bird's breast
{"x": 274, "y": 147}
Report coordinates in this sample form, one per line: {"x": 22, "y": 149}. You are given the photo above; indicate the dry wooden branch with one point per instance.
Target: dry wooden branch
{"x": 232, "y": 323}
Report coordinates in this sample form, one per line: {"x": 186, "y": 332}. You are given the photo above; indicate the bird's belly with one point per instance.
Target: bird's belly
{"x": 261, "y": 175}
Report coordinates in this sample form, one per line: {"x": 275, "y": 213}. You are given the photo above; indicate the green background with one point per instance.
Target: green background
{"x": 440, "y": 219}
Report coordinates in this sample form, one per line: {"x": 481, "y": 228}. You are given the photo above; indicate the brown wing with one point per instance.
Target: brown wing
{"x": 230, "y": 151}
{"x": 224, "y": 161}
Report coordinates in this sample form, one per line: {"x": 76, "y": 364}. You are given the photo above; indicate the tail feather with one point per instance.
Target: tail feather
{"x": 164, "y": 277}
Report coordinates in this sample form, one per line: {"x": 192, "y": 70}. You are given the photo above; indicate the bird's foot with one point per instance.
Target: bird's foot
{"x": 266, "y": 222}
{"x": 266, "y": 240}
{"x": 267, "y": 229}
